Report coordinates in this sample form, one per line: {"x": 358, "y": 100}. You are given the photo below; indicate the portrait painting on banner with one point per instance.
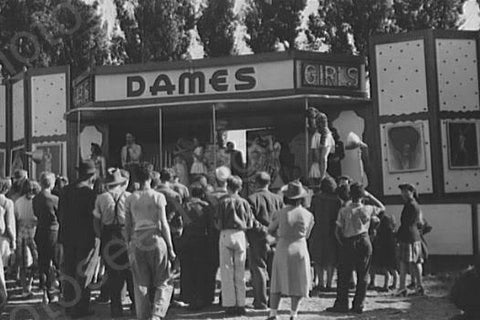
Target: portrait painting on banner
{"x": 405, "y": 147}
{"x": 51, "y": 159}
{"x": 17, "y": 159}
{"x": 263, "y": 154}
{"x": 462, "y": 144}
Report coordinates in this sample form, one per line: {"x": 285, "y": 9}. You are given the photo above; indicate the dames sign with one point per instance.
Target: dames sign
{"x": 196, "y": 82}
{"x": 186, "y": 82}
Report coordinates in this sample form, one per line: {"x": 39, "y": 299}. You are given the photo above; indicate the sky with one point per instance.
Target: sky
{"x": 471, "y": 14}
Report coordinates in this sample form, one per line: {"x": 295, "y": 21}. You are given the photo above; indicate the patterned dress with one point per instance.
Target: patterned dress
{"x": 291, "y": 264}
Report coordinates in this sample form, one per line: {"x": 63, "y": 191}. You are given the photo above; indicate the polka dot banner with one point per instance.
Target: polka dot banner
{"x": 457, "y": 74}
{"x": 18, "y": 114}
{"x": 3, "y": 120}
{"x": 48, "y": 105}
{"x": 401, "y": 78}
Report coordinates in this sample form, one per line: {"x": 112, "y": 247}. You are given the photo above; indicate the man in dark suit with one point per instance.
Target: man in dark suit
{"x": 77, "y": 236}
{"x": 236, "y": 160}
{"x": 264, "y": 203}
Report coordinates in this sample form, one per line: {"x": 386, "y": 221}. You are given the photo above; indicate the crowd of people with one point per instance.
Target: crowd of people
{"x": 147, "y": 231}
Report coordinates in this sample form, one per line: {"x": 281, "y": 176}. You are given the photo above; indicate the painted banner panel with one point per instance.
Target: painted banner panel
{"x": 18, "y": 113}
{"x": 53, "y": 158}
{"x": 461, "y": 155}
{"x": 401, "y": 77}
{"x": 49, "y": 104}
{"x": 18, "y": 160}
{"x": 3, "y": 115}
{"x": 406, "y": 156}
{"x": 457, "y": 73}
{"x": 451, "y": 227}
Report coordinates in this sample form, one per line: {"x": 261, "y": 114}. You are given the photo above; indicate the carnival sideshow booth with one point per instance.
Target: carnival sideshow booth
{"x": 246, "y": 112}
{"x": 260, "y": 112}
{"x": 425, "y": 92}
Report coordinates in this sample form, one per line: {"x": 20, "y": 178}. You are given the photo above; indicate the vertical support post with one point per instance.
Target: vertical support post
{"x": 214, "y": 127}
{"x": 79, "y": 155}
{"x": 307, "y": 149}
{"x": 160, "y": 137}
{"x": 9, "y": 126}
{"x": 27, "y": 107}
{"x": 475, "y": 229}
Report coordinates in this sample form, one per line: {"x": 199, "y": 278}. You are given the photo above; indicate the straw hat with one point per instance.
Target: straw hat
{"x": 295, "y": 190}
{"x": 19, "y": 174}
{"x": 114, "y": 177}
{"x": 222, "y": 173}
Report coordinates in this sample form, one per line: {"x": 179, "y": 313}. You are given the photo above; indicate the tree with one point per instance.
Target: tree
{"x": 129, "y": 39}
{"x": 426, "y": 14}
{"x": 269, "y": 22}
{"x": 346, "y": 25}
{"x": 216, "y": 28}
{"x": 38, "y": 33}
{"x": 154, "y": 30}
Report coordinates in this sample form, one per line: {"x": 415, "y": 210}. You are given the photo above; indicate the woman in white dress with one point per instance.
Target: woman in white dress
{"x": 198, "y": 166}
{"x": 322, "y": 144}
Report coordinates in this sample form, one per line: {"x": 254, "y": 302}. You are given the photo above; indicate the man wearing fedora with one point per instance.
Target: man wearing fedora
{"x": 109, "y": 223}
{"x": 264, "y": 203}
{"x": 77, "y": 236}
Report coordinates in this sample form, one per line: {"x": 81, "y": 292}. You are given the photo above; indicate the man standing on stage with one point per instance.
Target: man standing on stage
{"x": 131, "y": 152}
{"x": 236, "y": 160}
{"x": 264, "y": 203}
{"x": 77, "y": 236}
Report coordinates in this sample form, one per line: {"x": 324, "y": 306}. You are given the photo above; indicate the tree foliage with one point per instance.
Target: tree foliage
{"x": 36, "y": 33}
{"x": 154, "y": 30}
{"x": 269, "y": 22}
{"x": 346, "y": 25}
{"x": 216, "y": 28}
{"x": 424, "y": 14}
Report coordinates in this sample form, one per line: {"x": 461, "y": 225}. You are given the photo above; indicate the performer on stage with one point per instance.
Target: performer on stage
{"x": 322, "y": 144}
{"x": 131, "y": 152}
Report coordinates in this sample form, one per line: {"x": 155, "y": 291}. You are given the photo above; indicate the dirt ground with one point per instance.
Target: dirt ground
{"x": 434, "y": 306}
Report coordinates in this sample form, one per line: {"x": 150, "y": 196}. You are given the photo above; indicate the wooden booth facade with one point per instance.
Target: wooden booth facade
{"x": 32, "y": 109}
{"x": 172, "y": 107}
{"x": 425, "y": 90}
{"x": 422, "y": 125}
